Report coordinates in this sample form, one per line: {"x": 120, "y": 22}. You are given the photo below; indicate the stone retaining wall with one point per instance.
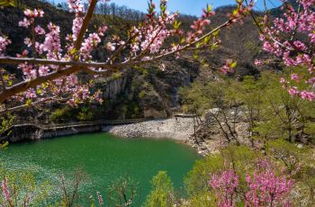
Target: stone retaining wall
{"x": 27, "y": 132}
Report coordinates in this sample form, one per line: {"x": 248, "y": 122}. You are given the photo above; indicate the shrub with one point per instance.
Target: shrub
{"x": 162, "y": 194}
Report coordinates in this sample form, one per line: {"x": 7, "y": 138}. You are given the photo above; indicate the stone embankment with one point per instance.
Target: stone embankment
{"x": 36, "y": 131}
{"x": 179, "y": 128}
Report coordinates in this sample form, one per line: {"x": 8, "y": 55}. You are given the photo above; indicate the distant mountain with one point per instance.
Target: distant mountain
{"x": 10, "y": 16}
{"x": 278, "y": 11}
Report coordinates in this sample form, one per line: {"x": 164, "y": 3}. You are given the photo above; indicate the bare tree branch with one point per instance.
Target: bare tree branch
{"x": 44, "y": 100}
{"x": 37, "y": 61}
{"x": 23, "y": 86}
{"x": 85, "y": 24}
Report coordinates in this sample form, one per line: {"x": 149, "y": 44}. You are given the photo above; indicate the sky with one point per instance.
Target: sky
{"x": 192, "y": 7}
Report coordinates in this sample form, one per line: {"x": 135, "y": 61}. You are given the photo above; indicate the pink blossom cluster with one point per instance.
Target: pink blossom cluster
{"x": 52, "y": 50}
{"x": 29, "y": 20}
{"x": 4, "y": 42}
{"x": 39, "y": 30}
{"x": 52, "y": 43}
{"x": 5, "y": 191}
{"x": 200, "y": 24}
{"x": 295, "y": 91}
{"x": 77, "y": 7}
{"x": 91, "y": 42}
{"x": 267, "y": 189}
{"x": 11, "y": 196}
{"x": 34, "y": 13}
{"x": 263, "y": 188}
{"x": 51, "y": 46}
{"x": 30, "y": 16}
{"x": 100, "y": 199}
{"x": 154, "y": 38}
{"x": 151, "y": 36}
{"x": 225, "y": 185}
{"x": 29, "y": 71}
{"x": 228, "y": 67}
{"x": 258, "y": 62}
{"x": 292, "y": 39}
{"x": 88, "y": 45}
{"x": 83, "y": 93}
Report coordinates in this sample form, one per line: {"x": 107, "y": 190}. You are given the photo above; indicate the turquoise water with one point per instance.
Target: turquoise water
{"x": 104, "y": 158}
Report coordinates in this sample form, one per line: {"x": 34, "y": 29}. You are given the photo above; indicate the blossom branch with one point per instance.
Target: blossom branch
{"x": 85, "y": 24}
{"x": 77, "y": 66}
{"x": 55, "y": 74}
{"x": 23, "y": 106}
{"x": 38, "y": 61}
{"x": 23, "y": 86}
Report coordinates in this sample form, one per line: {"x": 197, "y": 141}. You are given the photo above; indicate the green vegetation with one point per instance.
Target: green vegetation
{"x": 280, "y": 129}
{"x": 6, "y": 122}
{"x": 243, "y": 160}
{"x": 268, "y": 109}
{"x": 7, "y": 3}
{"x": 23, "y": 187}
{"x": 162, "y": 194}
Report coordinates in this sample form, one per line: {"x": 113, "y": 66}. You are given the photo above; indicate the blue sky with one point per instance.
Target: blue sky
{"x": 192, "y": 7}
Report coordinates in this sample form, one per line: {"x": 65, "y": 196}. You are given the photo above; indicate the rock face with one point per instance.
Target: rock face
{"x": 155, "y": 114}
{"x": 114, "y": 87}
{"x": 147, "y": 92}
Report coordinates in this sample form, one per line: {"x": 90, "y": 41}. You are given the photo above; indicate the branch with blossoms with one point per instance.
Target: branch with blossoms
{"x": 291, "y": 39}
{"x": 51, "y": 70}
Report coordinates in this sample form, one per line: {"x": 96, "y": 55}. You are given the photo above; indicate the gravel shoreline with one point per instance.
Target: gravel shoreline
{"x": 179, "y": 129}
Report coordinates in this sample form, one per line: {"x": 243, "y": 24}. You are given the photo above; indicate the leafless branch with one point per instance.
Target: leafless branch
{"x": 23, "y": 106}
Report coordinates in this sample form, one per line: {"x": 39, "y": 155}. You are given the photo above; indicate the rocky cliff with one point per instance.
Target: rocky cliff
{"x": 149, "y": 91}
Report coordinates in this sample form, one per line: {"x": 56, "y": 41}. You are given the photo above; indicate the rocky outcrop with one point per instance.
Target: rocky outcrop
{"x": 153, "y": 113}
{"x": 147, "y": 92}
{"x": 112, "y": 88}
{"x": 174, "y": 128}
{"x": 209, "y": 138}
{"x": 216, "y": 131}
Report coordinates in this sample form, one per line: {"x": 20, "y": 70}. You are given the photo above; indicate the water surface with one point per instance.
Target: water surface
{"x": 104, "y": 158}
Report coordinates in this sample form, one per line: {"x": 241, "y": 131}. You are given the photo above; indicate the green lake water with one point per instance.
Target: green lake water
{"x": 104, "y": 158}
